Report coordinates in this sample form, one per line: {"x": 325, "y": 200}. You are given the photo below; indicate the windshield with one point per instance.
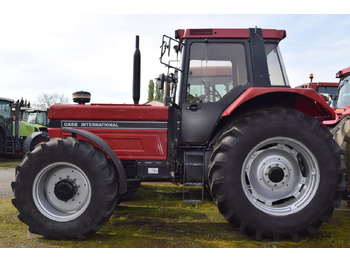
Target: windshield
{"x": 37, "y": 118}
{"x": 328, "y": 91}
{"x": 41, "y": 118}
{"x": 344, "y": 93}
{"x": 25, "y": 116}
{"x": 31, "y": 118}
{"x": 5, "y": 116}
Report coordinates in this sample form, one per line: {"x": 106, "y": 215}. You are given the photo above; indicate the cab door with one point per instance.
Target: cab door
{"x": 215, "y": 75}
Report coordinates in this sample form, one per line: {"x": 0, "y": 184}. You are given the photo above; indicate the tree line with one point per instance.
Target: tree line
{"x": 43, "y": 101}
{"x": 23, "y": 102}
{"x": 154, "y": 93}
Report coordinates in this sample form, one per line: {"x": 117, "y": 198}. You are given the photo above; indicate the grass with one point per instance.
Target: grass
{"x": 9, "y": 162}
{"x": 156, "y": 217}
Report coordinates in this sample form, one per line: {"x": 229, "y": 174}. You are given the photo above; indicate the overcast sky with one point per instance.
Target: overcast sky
{"x": 63, "y": 52}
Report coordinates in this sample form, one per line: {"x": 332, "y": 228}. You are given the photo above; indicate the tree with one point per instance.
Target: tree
{"x": 44, "y": 101}
{"x": 150, "y": 91}
{"x": 159, "y": 93}
{"x": 154, "y": 93}
{"x": 22, "y": 103}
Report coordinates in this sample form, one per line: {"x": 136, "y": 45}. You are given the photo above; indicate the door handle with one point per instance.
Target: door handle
{"x": 193, "y": 107}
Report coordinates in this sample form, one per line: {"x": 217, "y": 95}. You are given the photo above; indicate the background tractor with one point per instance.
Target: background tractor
{"x": 231, "y": 123}
{"x": 327, "y": 89}
{"x": 33, "y": 125}
{"x": 7, "y": 142}
{"x": 14, "y": 132}
{"x": 36, "y": 116}
{"x": 340, "y": 127}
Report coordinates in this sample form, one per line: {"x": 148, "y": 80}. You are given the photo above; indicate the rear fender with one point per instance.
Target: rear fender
{"x": 108, "y": 150}
{"x": 307, "y": 101}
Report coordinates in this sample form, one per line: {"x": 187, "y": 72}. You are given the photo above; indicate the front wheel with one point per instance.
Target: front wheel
{"x": 276, "y": 173}
{"x": 65, "y": 189}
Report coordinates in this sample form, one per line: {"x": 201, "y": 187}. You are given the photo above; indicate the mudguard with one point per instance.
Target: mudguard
{"x": 307, "y": 101}
{"x": 29, "y": 139}
{"x": 108, "y": 150}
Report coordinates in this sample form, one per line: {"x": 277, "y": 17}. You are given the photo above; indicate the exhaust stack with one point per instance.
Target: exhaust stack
{"x": 137, "y": 73}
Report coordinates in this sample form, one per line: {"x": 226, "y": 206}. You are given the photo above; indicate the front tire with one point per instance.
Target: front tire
{"x": 132, "y": 187}
{"x": 276, "y": 173}
{"x": 65, "y": 189}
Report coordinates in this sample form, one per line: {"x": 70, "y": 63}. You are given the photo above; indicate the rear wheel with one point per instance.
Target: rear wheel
{"x": 276, "y": 173}
{"x": 341, "y": 134}
{"x": 65, "y": 189}
{"x": 279, "y": 176}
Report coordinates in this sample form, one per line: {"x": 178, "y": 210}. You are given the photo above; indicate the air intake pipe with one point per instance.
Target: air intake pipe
{"x": 136, "y": 73}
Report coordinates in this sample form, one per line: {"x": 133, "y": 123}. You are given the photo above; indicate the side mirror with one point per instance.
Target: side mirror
{"x": 160, "y": 82}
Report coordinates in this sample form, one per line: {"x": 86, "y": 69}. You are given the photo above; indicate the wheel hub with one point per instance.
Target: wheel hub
{"x": 279, "y": 176}
{"x": 65, "y": 189}
{"x": 61, "y": 191}
{"x": 276, "y": 174}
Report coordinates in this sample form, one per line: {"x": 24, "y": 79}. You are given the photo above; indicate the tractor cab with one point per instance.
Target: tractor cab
{"x": 37, "y": 117}
{"x": 343, "y": 96}
{"x": 6, "y": 126}
{"x": 14, "y": 133}
{"x": 5, "y": 116}
{"x": 208, "y": 69}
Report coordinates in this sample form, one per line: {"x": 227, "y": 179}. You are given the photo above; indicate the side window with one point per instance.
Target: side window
{"x": 214, "y": 70}
{"x": 277, "y": 72}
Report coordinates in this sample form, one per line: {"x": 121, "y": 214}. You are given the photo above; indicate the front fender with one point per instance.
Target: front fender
{"x": 27, "y": 144}
{"x": 307, "y": 101}
{"x": 108, "y": 150}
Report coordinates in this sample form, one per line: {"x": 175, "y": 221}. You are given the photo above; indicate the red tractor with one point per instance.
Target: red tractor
{"x": 327, "y": 89}
{"x": 230, "y": 123}
{"x": 340, "y": 127}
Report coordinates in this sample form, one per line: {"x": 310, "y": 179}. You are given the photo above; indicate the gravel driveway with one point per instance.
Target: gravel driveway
{"x": 6, "y": 177}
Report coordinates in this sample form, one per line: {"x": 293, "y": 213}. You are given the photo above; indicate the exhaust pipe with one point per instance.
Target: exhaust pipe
{"x": 137, "y": 73}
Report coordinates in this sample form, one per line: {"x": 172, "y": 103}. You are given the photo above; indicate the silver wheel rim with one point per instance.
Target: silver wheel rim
{"x": 280, "y": 176}
{"x": 47, "y": 201}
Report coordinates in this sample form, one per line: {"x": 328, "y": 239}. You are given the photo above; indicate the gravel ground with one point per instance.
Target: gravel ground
{"x": 6, "y": 177}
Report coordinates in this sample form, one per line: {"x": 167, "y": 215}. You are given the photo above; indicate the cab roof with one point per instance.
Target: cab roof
{"x": 6, "y": 99}
{"x": 227, "y": 33}
{"x": 343, "y": 72}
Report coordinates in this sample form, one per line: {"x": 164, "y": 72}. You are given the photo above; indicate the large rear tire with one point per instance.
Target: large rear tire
{"x": 341, "y": 134}
{"x": 65, "y": 189}
{"x": 276, "y": 173}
